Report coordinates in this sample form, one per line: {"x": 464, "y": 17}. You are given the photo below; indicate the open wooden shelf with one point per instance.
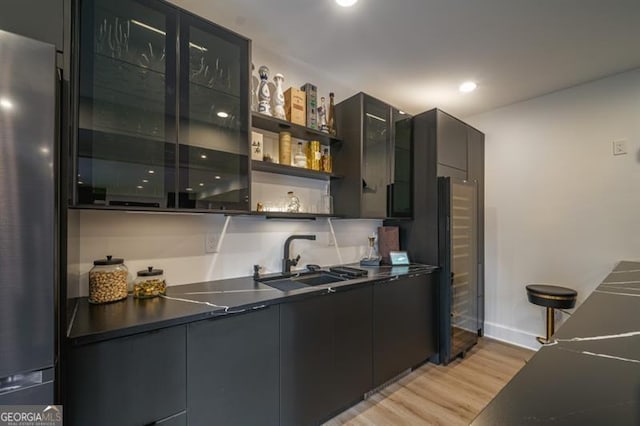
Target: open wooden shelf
{"x": 264, "y": 166}
{"x": 272, "y": 124}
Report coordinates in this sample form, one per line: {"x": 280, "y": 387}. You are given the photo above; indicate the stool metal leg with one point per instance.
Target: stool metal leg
{"x": 550, "y": 323}
{"x": 550, "y": 327}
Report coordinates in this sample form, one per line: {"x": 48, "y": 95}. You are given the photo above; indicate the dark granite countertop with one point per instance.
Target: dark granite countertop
{"x": 590, "y": 373}
{"x": 182, "y": 304}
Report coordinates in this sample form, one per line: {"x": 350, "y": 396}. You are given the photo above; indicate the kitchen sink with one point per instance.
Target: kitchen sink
{"x": 295, "y": 281}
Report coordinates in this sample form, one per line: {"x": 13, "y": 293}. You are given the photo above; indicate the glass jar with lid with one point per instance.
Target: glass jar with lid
{"x": 149, "y": 283}
{"x": 108, "y": 280}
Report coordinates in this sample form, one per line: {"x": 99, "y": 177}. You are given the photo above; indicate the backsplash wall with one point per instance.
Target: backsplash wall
{"x": 176, "y": 243}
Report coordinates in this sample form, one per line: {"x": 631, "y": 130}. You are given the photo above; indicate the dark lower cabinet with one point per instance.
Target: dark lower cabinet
{"x": 232, "y": 370}
{"x": 135, "y": 380}
{"x": 325, "y": 355}
{"x": 403, "y": 325}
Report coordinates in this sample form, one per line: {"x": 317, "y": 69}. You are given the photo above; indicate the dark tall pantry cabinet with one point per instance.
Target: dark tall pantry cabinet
{"x": 444, "y": 146}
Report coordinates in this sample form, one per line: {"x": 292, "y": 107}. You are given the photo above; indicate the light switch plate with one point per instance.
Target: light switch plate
{"x": 619, "y": 147}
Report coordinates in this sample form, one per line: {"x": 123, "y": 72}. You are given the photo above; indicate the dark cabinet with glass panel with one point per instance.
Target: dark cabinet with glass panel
{"x": 162, "y": 109}
{"x": 374, "y": 158}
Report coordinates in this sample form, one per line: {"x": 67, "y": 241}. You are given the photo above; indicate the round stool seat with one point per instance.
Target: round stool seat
{"x": 552, "y": 296}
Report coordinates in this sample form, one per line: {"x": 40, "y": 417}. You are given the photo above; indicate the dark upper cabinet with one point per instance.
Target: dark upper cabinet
{"x": 452, "y": 142}
{"x": 41, "y": 20}
{"x": 214, "y": 117}
{"x": 135, "y": 380}
{"x": 232, "y": 369}
{"x": 325, "y": 355}
{"x": 373, "y": 159}
{"x": 162, "y": 120}
{"x": 404, "y": 325}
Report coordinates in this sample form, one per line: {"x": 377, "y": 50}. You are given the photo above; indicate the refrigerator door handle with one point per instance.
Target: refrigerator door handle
{"x": 20, "y": 381}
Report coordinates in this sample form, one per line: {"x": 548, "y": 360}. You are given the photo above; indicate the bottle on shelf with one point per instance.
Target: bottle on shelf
{"x": 326, "y": 202}
{"x": 322, "y": 116}
{"x": 293, "y": 204}
{"x": 284, "y": 148}
{"x": 327, "y": 165}
{"x": 332, "y": 115}
{"x": 314, "y": 156}
{"x": 300, "y": 160}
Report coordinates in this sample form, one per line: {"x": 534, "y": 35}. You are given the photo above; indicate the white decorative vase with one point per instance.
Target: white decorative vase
{"x": 264, "y": 95}
{"x": 279, "y": 98}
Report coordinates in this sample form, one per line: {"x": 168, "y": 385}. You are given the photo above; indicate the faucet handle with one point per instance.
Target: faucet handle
{"x": 294, "y": 262}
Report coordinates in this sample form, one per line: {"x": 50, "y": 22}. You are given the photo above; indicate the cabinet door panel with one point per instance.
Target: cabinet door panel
{"x": 401, "y": 201}
{"x": 376, "y": 157}
{"x": 233, "y": 370}
{"x": 353, "y": 316}
{"x": 214, "y": 124}
{"x": 134, "y": 380}
{"x": 127, "y": 86}
{"x": 37, "y": 19}
{"x": 452, "y": 142}
{"x": 306, "y": 361}
{"x": 404, "y": 325}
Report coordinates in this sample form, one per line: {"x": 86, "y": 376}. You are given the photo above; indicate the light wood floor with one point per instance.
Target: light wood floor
{"x": 438, "y": 395}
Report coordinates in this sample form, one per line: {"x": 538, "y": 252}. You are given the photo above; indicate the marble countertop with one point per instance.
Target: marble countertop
{"x": 88, "y": 323}
{"x": 590, "y": 373}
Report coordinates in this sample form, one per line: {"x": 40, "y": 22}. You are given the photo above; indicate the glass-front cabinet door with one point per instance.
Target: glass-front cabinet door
{"x": 376, "y": 150}
{"x": 401, "y": 189}
{"x": 214, "y": 118}
{"x": 163, "y": 109}
{"x": 126, "y": 146}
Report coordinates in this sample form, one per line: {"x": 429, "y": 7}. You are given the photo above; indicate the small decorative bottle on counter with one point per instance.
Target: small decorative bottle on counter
{"x": 322, "y": 116}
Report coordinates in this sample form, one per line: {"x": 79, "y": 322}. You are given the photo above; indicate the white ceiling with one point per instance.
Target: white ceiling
{"x": 415, "y": 53}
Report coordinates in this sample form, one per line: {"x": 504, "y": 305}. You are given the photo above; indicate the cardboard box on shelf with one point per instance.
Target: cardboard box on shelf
{"x": 294, "y": 106}
{"x": 312, "y": 105}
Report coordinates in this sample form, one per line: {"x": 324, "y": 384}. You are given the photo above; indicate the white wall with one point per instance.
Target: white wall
{"x": 560, "y": 208}
{"x": 176, "y": 243}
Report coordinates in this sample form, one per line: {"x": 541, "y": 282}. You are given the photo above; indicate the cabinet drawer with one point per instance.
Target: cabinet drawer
{"x": 135, "y": 380}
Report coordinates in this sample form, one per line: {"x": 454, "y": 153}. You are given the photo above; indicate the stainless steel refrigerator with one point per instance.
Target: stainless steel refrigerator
{"x": 27, "y": 220}
{"x": 458, "y": 254}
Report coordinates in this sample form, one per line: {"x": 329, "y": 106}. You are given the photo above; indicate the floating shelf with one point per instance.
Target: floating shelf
{"x": 272, "y": 124}
{"x": 263, "y": 166}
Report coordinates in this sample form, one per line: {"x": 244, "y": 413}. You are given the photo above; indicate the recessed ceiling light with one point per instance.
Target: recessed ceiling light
{"x": 44, "y": 150}
{"x": 151, "y": 172}
{"x": 468, "y": 86}
{"x": 346, "y": 3}
{"x": 402, "y": 112}
{"x": 203, "y": 156}
{"x": 201, "y": 184}
{"x": 223, "y": 114}
{"x": 217, "y": 177}
{"x": 80, "y": 182}
{"x": 139, "y": 186}
{"x": 188, "y": 189}
{"x": 6, "y": 103}
{"x": 145, "y": 180}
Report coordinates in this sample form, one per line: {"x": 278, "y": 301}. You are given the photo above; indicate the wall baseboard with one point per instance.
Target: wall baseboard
{"x": 511, "y": 335}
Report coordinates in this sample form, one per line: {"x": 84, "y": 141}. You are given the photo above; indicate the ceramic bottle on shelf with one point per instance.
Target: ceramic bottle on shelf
{"x": 254, "y": 90}
{"x": 278, "y": 109}
{"x": 264, "y": 94}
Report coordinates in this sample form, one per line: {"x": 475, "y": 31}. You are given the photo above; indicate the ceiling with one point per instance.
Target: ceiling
{"x": 415, "y": 53}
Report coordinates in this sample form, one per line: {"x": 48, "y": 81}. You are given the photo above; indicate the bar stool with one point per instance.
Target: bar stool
{"x": 551, "y": 297}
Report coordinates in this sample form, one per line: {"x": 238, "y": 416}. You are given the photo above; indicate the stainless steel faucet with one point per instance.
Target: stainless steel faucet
{"x": 287, "y": 263}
